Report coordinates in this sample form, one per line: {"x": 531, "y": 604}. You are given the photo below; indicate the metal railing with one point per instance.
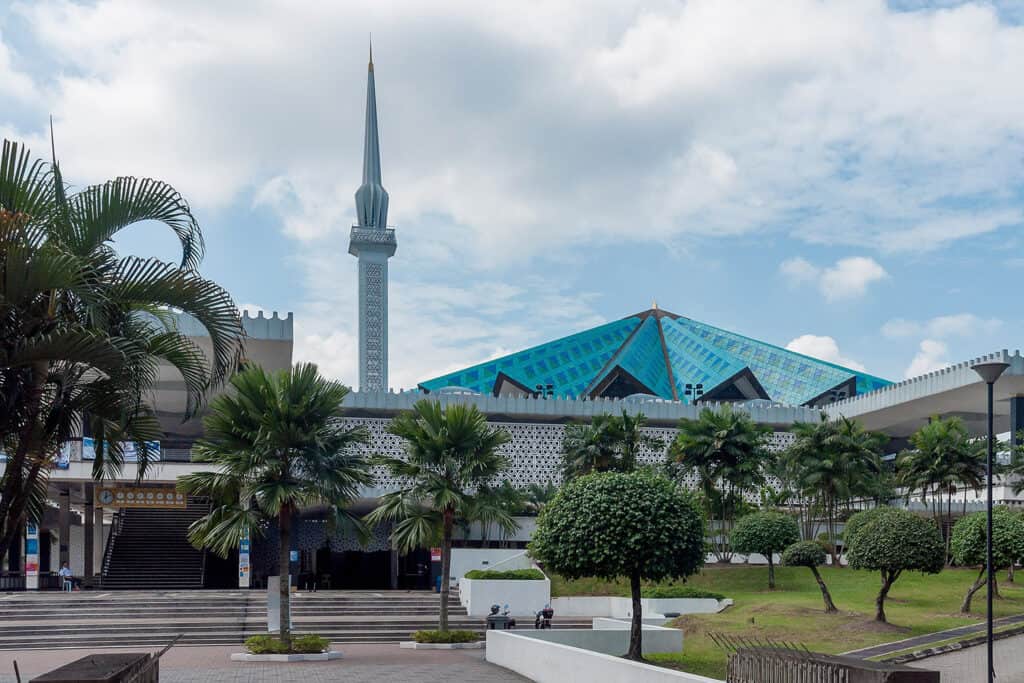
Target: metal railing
{"x": 116, "y": 523}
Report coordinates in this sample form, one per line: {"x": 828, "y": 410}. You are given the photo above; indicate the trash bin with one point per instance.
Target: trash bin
{"x": 498, "y": 622}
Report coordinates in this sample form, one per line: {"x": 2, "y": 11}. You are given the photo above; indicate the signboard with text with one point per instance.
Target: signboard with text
{"x": 130, "y": 448}
{"x": 243, "y": 560}
{"x": 140, "y": 497}
{"x": 31, "y": 556}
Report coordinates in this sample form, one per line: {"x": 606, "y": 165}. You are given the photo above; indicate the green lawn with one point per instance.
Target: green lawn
{"x": 793, "y": 612}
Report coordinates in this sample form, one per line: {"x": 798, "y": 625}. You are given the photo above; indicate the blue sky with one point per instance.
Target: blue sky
{"x": 846, "y": 178}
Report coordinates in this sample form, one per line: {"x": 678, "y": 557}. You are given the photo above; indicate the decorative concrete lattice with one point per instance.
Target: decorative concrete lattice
{"x": 374, "y": 325}
{"x": 535, "y": 450}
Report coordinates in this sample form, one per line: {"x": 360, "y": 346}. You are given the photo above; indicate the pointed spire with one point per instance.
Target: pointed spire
{"x": 371, "y": 197}
{"x": 371, "y": 53}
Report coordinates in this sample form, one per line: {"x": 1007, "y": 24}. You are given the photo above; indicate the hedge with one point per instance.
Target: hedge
{"x": 509, "y": 575}
{"x": 272, "y": 645}
{"x": 445, "y": 636}
{"x": 679, "y": 592}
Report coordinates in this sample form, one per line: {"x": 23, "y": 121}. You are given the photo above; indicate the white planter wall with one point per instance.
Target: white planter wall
{"x": 524, "y": 598}
{"x": 549, "y": 662}
{"x": 622, "y": 608}
{"x": 467, "y": 559}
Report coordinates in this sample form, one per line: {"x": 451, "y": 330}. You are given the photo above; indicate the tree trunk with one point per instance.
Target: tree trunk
{"x": 14, "y": 495}
{"x": 965, "y": 607}
{"x": 446, "y": 565}
{"x": 832, "y": 545}
{"x": 830, "y": 607}
{"x": 771, "y": 572}
{"x": 887, "y": 581}
{"x": 995, "y": 586}
{"x": 636, "y": 629}
{"x": 948, "y": 531}
{"x": 284, "y": 530}
{"x": 1009, "y": 573}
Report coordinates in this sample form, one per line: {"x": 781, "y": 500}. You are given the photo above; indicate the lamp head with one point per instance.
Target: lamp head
{"x": 990, "y": 372}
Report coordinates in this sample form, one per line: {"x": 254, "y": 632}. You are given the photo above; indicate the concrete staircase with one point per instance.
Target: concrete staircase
{"x": 151, "y": 550}
{"x": 150, "y": 618}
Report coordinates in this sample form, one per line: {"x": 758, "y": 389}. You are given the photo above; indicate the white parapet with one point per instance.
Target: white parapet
{"x": 550, "y": 662}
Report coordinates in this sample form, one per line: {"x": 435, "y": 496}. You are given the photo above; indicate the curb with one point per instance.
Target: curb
{"x": 412, "y": 645}
{"x": 973, "y": 641}
{"x": 311, "y": 657}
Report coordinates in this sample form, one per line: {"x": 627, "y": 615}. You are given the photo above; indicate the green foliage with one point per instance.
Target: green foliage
{"x": 726, "y": 450}
{"x": 507, "y": 575}
{"x": 970, "y": 532}
{"x": 894, "y": 541}
{"x": 765, "y": 533}
{"x": 613, "y": 524}
{"x": 610, "y": 443}
{"x": 861, "y": 519}
{"x": 676, "y": 591}
{"x": 269, "y": 645}
{"x": 445, "y": 636}
{"x": 804, "y": 554}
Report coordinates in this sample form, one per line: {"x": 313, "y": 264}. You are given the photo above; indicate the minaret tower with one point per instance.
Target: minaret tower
{"x": 373, "y": 244}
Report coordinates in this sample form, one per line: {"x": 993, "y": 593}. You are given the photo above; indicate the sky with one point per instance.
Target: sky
{"x": 845, "y": 179}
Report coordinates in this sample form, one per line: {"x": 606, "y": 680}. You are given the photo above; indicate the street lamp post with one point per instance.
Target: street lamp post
{"x": 989, "y": 372}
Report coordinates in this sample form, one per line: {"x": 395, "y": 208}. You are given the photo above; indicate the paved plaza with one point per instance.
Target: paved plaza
{"x": 211, "y": 665}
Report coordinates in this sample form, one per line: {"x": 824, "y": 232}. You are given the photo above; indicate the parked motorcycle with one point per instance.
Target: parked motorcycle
{"x": 543, "y": 618}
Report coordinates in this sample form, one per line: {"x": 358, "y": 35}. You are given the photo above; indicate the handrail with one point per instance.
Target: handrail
{"x": 115, "y": 528}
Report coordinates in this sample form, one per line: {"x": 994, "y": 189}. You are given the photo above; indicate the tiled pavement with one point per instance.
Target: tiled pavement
{"x": 360, "y": 663}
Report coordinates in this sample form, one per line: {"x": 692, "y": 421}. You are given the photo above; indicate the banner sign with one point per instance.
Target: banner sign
{"x": 435, "y": 554}
{"x": 63, "y": 460}
{"x": 131, "y": 450}
{"x": 31, "y": 556}
{"x": 243, "y": 560}
{"x": 140, "y": 497}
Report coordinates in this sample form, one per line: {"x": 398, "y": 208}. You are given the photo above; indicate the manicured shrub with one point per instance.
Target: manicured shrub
{"x": 663, "y": 592}
{"x": 507, "y": 575}
{"x": 810, "y": 554}
{"x": 968, "y": 544}
{"x": 636, "y": 525}
{"x": 893, "y": 541}
{"x": 446, "y": 636}
{"x": 765, "y": 533}
{"x": 272, "y": 645}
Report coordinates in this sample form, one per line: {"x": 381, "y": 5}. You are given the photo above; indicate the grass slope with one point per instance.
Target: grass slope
{"x": 794, "y": 612}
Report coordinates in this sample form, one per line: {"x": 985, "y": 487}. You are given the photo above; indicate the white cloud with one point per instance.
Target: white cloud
{"x": 799, "y": 270}
{"x": 848, "y": 278}
{"x": 825, "y": 348}
{"x": 942, "y": 327}
{"x": 609, "y": 121}
{"x": 931, "y": 355}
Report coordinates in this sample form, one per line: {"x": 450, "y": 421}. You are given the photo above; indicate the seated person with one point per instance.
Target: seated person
{"x": 66, "y": 575}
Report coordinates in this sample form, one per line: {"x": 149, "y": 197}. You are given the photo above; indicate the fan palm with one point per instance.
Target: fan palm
{"x": 832, "y": 462}
{"x": 725, "y": 449}
{"x": 279, "y": 445}
{"x": 450, "y": 454}
{"x": 943, "y": 459}
{"x": 84, "y": 331}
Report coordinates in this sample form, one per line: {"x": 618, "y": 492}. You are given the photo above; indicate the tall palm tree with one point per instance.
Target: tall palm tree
{"x": 943, "y": 459}
{"x": 450, "y": 453}
{"x": 833, "y": 462}
{"x": 495, "y": 506}
{"x": 590, "y": 447}
{"x": 84, "y": 331}
{"x": 726, "y": 450}
{"x": 279, "y": 445}
{"x": 608, "y": 443}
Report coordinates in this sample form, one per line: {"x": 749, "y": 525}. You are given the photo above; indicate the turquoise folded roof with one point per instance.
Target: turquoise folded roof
{"x": 660, "y": 353}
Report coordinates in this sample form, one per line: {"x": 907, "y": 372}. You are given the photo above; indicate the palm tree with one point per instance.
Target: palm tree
{"x": 726, "y": 450}
{"x": 833, "y": 462}
{"x": 496, "y": 505}
{"x": 943, "y": 459}
{"x": 608, "y": 443}
{"x": 538, "y": 496}
{"x": 84, "y": 331}
{"x": 450, "y": 453}
{"x": 590, "y": 447}
{"x": 279, "y": 445}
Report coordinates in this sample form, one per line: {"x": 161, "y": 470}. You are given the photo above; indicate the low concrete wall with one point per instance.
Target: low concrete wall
{"x": 468, "y": 559}
{"x": 524, "y": 598}
{"x": 611, "y": 637}
{"x": 622, "y": 608}
{"x": 548, "y": 662}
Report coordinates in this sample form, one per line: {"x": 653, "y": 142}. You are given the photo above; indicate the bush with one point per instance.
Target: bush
{"x": 445, "y": 636}
{"x": 765, "y": 533}
{"x": 804, "y": 554}
{"x": 272, "y": 645}
{"x": 509, "y": 575}
{"x": 662, "y": 592}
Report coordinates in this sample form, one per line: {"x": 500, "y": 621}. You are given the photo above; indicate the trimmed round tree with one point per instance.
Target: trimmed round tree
{"x": 893, "y": 541}
{"x": 765, "y": 533}
{"x": 611, "y": 525}
{"x": 810, "y": 554}
{"x": 968, "y": 544}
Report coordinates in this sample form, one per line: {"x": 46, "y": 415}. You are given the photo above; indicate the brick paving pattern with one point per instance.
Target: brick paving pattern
{"x": 362, "y": 663}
